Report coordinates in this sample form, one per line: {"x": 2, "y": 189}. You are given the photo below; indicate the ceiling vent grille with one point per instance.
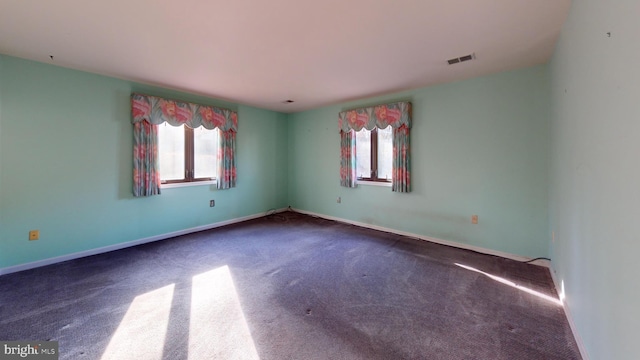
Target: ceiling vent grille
{"x": 461, "y": 59}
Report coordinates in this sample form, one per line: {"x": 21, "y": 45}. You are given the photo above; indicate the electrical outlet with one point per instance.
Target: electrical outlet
{"x": 474, "y": 219}
{"x": 339, "y": 200}
{"x": 212, "y": 203}
{"x": 34, "y": 235}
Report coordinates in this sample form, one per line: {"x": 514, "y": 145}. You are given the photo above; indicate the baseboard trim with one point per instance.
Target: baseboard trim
{"x": 124, "y": 245}
{"x": 479, "y": 249}
{"x": 544, "y": 263}
{"x": 104, "y": 249}
{"x": 567, "y": 313}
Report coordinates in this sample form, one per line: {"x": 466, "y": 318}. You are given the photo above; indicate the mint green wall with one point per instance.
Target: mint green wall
{"x": 478, "y": 147}
{"x": 65, "y": 155}
{"x": 595, "y": 173}
{"x": 3, "y": 249}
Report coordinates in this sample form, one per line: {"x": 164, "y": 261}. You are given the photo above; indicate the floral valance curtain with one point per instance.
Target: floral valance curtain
{"x": 398, "y": 116}
{"x": 150, "y": 111}
{"x": 157, "y": 110}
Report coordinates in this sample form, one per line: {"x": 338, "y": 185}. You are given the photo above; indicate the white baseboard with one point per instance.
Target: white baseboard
{"x": 104, "y": 249}
{"x": 567, "y": 313}
{"x": 479, "y": 249}
{"x": 53, "y": 260}
{"x": 544, "y": 263}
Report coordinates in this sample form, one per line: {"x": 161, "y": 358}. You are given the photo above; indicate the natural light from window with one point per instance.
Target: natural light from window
{"x": 143, "y": 329}
{"x": 171, "y": 150}
{"x": 363, "y": 153}
{"x": 381, "y": 164}
{"x": 514, "y": 285}
{"x": 218, "y": 328}
{"x": 385, "y": 152}
{"x": 205, "y": 149}
{"x": 187, "y": 155}
{"x": 217, "y": 325}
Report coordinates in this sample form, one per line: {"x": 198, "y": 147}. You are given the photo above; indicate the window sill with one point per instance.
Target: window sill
{"x": 373, "y": 183}
{"x": 187, "y": 184}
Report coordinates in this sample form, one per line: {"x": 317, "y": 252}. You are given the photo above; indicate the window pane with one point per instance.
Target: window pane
{"x": 205, "y": 146}
{"x": 385, "y": 153}
{"x": 171, "y": 150}
{"x": 363, "y": 154}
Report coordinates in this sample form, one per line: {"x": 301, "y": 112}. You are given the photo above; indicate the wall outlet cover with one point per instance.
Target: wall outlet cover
{"x": 34, "y": 235}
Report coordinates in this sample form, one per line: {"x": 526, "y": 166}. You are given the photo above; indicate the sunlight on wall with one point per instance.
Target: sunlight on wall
{"x": 141, "y": 333}
{"x": 513, "y": 285}
{"x": 218, "y": 328}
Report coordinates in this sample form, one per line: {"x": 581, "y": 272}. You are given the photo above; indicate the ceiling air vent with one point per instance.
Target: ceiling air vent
{"x": 461, "y": 59}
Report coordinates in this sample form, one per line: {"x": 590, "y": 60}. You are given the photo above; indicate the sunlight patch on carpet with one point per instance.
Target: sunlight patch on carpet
{"x": 218, "y": 328}
{"x": 141, "y": 333}
{"x": 513, "y": 285}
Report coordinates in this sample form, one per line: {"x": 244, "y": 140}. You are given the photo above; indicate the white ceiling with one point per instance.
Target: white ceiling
{"x": 261, "y": 53}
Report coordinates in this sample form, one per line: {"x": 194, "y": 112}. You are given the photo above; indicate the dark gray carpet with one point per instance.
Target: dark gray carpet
{"x": 305, "y": 288}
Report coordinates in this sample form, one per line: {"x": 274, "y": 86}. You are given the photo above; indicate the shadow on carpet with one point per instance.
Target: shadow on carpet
{"x": 289, "y": 286}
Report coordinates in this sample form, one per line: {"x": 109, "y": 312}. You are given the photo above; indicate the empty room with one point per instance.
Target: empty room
{"x": 319, "y": 180}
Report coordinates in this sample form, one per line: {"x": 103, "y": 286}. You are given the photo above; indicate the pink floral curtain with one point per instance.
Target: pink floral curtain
{"x": 348, "y": 158}
{"x": 396, "y": 115}
{"x": 146, "y": 177}
{"x": 401, "y": 181}
{"x": 226, "y": 160}
{"x": 152, "y": 111}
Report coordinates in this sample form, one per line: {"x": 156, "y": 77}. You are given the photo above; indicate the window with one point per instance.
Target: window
{"x": 187, "y": 155}
{"x": 374, "y": 152}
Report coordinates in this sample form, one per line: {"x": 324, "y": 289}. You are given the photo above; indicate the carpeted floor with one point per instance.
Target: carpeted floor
{"x": 289, "y": 286}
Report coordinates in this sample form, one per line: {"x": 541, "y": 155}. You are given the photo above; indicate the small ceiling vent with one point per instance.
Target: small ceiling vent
{"x": 461, "y": 59}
